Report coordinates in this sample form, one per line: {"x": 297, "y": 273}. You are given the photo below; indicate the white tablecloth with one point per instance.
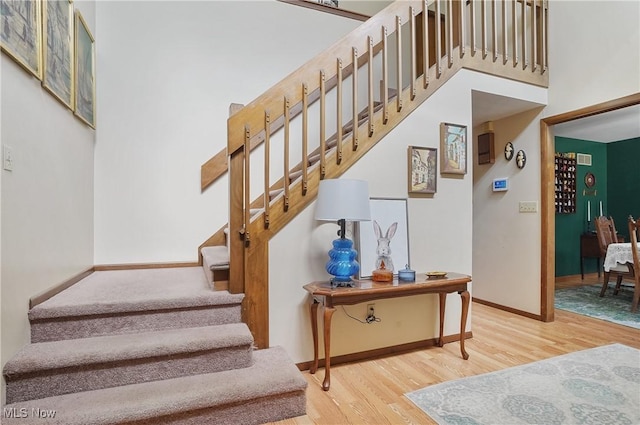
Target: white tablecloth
{"x": 618, "y": 253}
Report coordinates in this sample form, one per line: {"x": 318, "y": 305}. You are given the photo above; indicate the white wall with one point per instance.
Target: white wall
{"x": 506, "y": 243}
{"x": 47, "y": 200}
{"x": 589, "y": 66}
{"x": 586, "y": 66}
{"x": 163, "y": 111}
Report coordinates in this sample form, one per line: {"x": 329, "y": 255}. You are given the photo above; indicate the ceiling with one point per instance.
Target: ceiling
{"x": 492, "y": 107}
{"x": 613, "y": 126}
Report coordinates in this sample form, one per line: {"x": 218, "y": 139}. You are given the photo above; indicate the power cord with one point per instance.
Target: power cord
{"x": 370, "y": 318}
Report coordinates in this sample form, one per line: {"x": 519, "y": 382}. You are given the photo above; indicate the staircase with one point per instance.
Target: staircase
{"x": 148, "y": 346}
{"x": 351, "y": 98}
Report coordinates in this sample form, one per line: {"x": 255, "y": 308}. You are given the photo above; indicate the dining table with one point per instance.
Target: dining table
{"x": 618, "y": 253}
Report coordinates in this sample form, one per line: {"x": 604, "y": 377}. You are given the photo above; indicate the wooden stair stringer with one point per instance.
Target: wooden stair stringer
{"x": 279, "y": 218}
{"x": 217, "y": 166}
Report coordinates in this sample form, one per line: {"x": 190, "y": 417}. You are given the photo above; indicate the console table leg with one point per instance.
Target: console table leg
{"x": 328, "y": 313}
{"x": 463, "y": 322}
{"x": 314, "y": 332}
{"x": 443, "y": 303}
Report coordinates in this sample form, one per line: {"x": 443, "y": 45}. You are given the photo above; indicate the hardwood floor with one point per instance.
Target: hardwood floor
{"x": 371, "y": 392}
{"x": 575, "y": 281}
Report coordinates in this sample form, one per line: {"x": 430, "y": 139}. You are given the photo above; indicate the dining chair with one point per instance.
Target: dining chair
{"x": 634, "y": 236}
{"x": 606, "y": 233}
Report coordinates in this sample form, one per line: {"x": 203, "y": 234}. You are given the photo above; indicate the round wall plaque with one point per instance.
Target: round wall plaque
{"x": 590, "y": 180}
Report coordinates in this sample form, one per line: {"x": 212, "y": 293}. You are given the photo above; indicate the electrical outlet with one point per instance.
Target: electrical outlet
{"x": 371, "y": 310}
{"x": 528, "y": 206}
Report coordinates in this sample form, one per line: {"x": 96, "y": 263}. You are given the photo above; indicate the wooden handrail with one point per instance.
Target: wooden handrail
{"x": 343, "y": 49}
{"x": 217, "y": 166}
{"x": 292, "y": 97}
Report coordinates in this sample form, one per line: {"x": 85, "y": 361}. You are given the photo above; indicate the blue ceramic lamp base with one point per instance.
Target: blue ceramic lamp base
{"x": 342, "y": 264}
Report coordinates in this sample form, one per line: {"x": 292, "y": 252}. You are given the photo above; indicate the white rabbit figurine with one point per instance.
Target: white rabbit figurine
{"x": 384, "y": 245}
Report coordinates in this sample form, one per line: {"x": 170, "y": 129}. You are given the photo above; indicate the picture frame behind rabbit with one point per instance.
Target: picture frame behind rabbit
{"x": 390, "y": 239}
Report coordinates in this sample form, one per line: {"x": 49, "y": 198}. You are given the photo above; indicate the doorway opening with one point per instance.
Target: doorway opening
{"x": 547, "y": 207}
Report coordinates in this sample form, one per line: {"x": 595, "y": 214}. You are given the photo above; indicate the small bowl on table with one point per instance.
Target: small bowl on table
{"x": 407, "y": 275}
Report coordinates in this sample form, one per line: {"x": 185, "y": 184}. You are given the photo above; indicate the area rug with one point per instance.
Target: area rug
{"x": 586, "y": 300}
{"x": 595, "y": 386}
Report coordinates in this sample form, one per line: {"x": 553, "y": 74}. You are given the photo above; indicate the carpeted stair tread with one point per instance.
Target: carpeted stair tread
{"x": 119, "y": 291}
{"x": 46, "y": 356}
{"x": 216, "y": 257}
{"x": 235, "y": 396}
{"x": 54, "y": 368}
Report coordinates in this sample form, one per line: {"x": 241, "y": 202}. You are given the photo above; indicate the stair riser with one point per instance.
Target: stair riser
{"x": 44, "y": 330}
{"x": 104, "y": 375}
{"x": 252, "y": 412}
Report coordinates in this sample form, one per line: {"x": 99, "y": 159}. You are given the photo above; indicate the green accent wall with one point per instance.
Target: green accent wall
{"x": 569, "y": 227}
{"x": 617, "y": 169}
{"x": 623, "y": 169}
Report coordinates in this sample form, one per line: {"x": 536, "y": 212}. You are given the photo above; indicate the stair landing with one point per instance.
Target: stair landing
{"x": 120, "y": 290}
{"x": 122, "y": 301}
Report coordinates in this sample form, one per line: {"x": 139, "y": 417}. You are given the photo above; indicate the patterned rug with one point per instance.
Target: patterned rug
{"x": 586, "y": 300}
{"x": 596, "y": 386}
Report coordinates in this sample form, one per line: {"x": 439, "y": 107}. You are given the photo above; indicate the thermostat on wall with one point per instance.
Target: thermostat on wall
{"x": 500, "y": 185}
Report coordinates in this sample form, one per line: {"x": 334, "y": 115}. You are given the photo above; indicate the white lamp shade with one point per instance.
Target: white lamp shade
{"x": 343, "y": 199}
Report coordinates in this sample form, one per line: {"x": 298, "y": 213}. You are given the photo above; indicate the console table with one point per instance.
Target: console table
{"x": 366, "y": 290}
{"x": 589, "y": 248}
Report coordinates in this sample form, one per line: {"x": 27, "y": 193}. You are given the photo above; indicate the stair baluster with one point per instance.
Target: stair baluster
{"x": 287, "y": 131}
{"x": 339, "y": 114}
{"x": 354, "y": 100}
{"x": 323, "y": 156}
{"x": 523, "y": 25}
{"x": 505, "y": 55}
{"x": 267, "y": 151}
{"x": 412, "y": 41}
{"x": 305, "y": 140}
{"x": 514, "y": 33}
{"x": 429, "y": 43}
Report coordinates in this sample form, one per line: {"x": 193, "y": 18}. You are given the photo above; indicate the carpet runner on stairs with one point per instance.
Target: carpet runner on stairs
{"x": 154, "y": 346}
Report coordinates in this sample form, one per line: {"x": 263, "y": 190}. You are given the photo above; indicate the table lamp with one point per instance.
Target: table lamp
{"x": 343, "y": 200}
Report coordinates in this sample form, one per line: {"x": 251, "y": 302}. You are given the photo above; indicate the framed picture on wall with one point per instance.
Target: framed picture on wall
{"x": 384, "y": 238}
{"x": 85, "y": 90}
{"x": 423, "y": 166}
{"x": 58, "y": 42}
{"x": 21, "y": 33}
{"x": 453, "y": 148}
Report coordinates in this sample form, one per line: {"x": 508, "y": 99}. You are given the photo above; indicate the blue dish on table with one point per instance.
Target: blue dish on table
{"x": 407, "y": 275}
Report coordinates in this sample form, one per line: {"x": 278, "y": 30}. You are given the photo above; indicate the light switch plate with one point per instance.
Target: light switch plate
{"x": 528, "y": 206}
{"x": 7, "y": 158}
